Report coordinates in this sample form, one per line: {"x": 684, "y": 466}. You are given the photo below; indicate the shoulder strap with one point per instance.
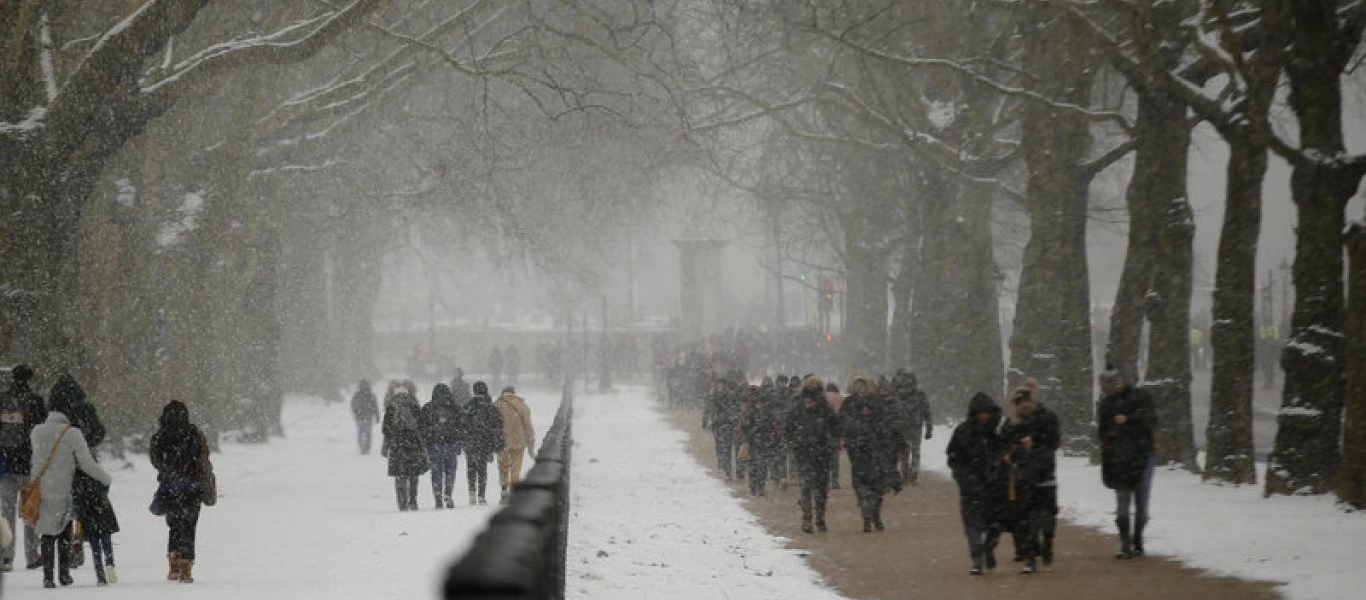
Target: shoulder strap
{"x": 53, "y": 454}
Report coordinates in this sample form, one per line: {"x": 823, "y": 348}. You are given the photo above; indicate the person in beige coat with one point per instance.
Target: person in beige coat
{"x": 65, "y": 444}
{"x": 519, "y": 437}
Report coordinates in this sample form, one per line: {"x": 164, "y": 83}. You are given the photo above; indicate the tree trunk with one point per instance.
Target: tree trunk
{"x": 865, "y": 331}
{"x": 1052, "y": 332}
{"x": 1230, "y": 454}
{"x": 1352, "y": 479}
{"x": 899, "y": 348}
{"x": 1306, "y": 454}
{"x": 957, "y": 319}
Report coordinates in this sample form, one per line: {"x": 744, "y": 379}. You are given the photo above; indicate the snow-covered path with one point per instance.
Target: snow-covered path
{"x": 302, "y": 517}
{"x": 649, "y": 523}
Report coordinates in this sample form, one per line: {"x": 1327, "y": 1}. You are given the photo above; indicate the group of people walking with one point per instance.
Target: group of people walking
{"x": 1003, "y": 459}
{"x": 760, "y": 429}
{"x": 50, "y": 475}
{"x": 456, "y": 420}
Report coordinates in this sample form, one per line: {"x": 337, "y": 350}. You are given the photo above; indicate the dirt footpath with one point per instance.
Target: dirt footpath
{"x": 923, "y": 554}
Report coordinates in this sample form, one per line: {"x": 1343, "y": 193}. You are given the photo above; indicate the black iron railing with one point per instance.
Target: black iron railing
{"x": 521, "y": 555}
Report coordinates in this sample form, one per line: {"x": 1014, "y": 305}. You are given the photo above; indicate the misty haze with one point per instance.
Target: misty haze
{"x": 693, "y": 299}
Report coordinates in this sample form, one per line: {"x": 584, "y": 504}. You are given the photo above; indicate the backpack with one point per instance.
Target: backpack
{"x": 13, "y": 418}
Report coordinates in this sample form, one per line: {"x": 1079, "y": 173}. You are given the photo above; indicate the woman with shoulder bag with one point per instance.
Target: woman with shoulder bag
{"x": 59, "y": 449}
{"x": 180, "y": 454}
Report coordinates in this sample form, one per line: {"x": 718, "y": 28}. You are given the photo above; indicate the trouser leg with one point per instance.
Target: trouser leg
{"x": 835, "y": 470}
{"x": 914, "y": 442}
{"x": 183, "y": 523}
{"x": 472, "y": 463}
{"x": 64, "y": 555}
{"x": 97, "y": 556}
{"x": 9, "y": 502}
{"x": 515, "y": 465}
{"x": 401, "y": 493}
{"x": 48, "y": 554}
{"x": 723, "y": 455}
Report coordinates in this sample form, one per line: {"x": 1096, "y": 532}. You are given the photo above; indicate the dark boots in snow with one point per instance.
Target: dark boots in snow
{"x": 1126, "y": 550}
{"x": 1138, "y": 536}
{"x": 1046, "y": 551}
{"x": 806, "y": 524}
{"x": 976, "y": 565}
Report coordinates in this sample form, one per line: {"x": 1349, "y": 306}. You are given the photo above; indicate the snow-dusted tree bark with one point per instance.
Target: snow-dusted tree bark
{"x": 1051, "y": 340}
{"x": 1325, "y": 38}
{"x": 1352, "y": 478}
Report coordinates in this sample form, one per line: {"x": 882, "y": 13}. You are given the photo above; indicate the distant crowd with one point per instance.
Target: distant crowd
{"x": 456, "y": 419}
{"x": 1004, "y": 461}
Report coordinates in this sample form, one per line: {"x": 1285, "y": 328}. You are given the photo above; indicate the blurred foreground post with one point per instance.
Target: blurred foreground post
{"x": 1352, "y": 477}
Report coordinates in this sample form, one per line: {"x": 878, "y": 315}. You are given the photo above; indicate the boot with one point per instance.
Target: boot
{"x": 989, "y": 552}
{"x": 473, "y": 499}
{"x": 877, "y": 524}
{"x": 173, "y": 560}
{"x": 186, "y": 571}
{"x": 64, "y": 559}
{"x": 1046, "y": 551}
{"x": 49, "y": 558}
{"x": 867, "y": 526}
{"x": 449, "y": 502}
{"x": 1125, "y": 543}
{"x": 976, "y": 565}
{"x": 439, "y": 502}
{"x": 1029, "y": 567}
{"x": 1138, "y": 536}
{"x": 807, "y": 527}
{"x": 820, "y": 520}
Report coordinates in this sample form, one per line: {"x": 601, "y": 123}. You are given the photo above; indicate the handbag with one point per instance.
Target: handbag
{"x": 208, "y": 482}
{"x": 30, "y": 496}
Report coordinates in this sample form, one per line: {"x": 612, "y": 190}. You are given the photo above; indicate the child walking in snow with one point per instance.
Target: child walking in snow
{"x": 98, "y": 525}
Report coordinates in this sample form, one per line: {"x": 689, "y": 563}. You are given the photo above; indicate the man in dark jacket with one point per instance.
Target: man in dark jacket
{"x": 721, "y": 417}
{"x": 873, "y": 441}
{"x": 481, "y": 438}
{"x": 812, "y": 431}
{"x": 1033, "y": 436}
{"x": 976, "y": 456}
{"x": 1126, "y": 419}
{"x": 20, "y": 411}
{"x": 441, "y": 427}
{"x": 914, "y": 410}
{"x": 365, "y": 409}
{"x": 760, "y": 427}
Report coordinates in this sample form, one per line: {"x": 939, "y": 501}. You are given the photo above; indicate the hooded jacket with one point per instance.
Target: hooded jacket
{"x": 482, "y": 424}
{"x": 1125, "y": 449}
{"x": 441, "y": 418}
{"x": 976, "y": 455}
{"x": 813, "y": 428}
{"x": 403, "y": 437}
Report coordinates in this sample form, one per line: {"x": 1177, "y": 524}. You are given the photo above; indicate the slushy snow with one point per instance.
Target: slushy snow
{"x": 649, "y": 522}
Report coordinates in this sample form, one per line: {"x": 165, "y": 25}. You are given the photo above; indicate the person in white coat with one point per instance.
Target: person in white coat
{"x": 63, "y": 450}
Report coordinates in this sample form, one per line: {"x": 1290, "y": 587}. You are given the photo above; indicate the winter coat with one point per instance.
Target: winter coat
{"x": 56, "y": 510}
{"x": 722, "y": 415}
{"x": 483, "y": 428}
{"x": 441, "y": 421}
{"x": 518, "y": 433}
{"x": 179, "y": 452}
{"x": 21, "y": 411}
{"x": 976, "y": 455}
{"x": 1036, "y": 465}
{"x": 364, "y": 406}
{"x": 403, "y": 441}
{"x": 872, "y": 440}
{"x": 90, "y": 497}
{"x": 1125, "y": 449}
{"x": 913, "y": 410}
{"x": 813, "y": 431}
{"x": 760, "y": 424}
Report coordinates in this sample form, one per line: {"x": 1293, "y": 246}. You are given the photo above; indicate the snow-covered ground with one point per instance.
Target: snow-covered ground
{"x": 302, "y": 517}
{"x": 1307, "y": 543}
{"x": 650, "y": 523}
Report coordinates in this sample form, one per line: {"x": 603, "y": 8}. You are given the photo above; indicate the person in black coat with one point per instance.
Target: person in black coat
{"x": 441, "y": 424}
{"x": 180, "y": 454}
{"x": 721, "y": 416}
{"x": 761, "y": 428}
{"x": 365, "y": 408}
{"x": 1126, "y": 419}
{"x": 20, "y": 411}
{"x": 813, "y": 432}
{"x": 404, "y": 446}
{"x": 1033, "y": 436}
{"x": 90, "y": 498}
{"x": 873, "y": 439}
{"x": 913, "y": 408}
{"x": 976, "y": 455}
{"x": 482, "y": 438}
